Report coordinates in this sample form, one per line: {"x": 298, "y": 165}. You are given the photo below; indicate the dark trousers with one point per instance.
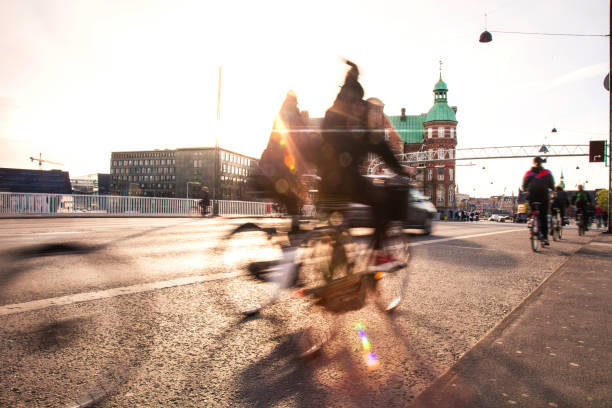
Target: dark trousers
{"x": 362, "y": 191}
{"x": 543, "y": 217}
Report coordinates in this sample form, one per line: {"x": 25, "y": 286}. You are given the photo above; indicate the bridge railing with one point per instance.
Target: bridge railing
{"x": 66, "y": 204}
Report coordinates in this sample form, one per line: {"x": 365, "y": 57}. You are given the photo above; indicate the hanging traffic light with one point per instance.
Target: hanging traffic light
{"x": 597, "y": 150}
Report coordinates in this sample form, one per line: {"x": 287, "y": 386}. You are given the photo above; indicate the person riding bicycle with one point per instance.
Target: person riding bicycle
{"x": 283, "y": 161}
{"x": 560, "y": 203}
{"x": 346, "y": 140}
{"x": 537, "y": 182}
{"x": 582, "y": 201}
{"x": 204, "y": 200}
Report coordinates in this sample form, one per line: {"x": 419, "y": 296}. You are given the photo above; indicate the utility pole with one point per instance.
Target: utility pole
{"x": 216, "y": 160}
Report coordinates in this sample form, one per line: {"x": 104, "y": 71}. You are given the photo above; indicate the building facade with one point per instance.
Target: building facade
{"x": 174, "y": 173}
{"x": 434, "y": 132}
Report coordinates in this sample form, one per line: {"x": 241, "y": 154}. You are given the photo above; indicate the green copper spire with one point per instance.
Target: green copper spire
{"x": 562, "y": 183}
{"x": 440, "y": 111}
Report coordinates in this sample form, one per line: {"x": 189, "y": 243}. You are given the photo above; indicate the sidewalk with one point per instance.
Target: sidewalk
{"x": 554, "y": 350}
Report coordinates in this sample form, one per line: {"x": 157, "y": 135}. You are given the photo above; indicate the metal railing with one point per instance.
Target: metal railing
{"x": 66, "y": 204}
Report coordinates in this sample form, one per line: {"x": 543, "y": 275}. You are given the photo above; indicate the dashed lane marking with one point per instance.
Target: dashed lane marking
{"x": 109, "y": 293}
{"x": 146, "y": 287}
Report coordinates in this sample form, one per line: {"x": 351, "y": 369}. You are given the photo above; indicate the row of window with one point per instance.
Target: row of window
{"x": 143, "y": 155}
{"x": 143, "y": 170}
{"x": 440, "y": 174}
{"x": 143, "y": 162}
{"x": 144, "y": 178}
{"x": 241, "y": 171}
{"x": 441, "y": 195}
{"x": 233, "y": 180}
{"x": 233, "y": 158}
{"x": 430, "y": 132}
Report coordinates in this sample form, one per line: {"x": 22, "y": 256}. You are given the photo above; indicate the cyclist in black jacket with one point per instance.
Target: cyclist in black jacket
{"x": 560, "y": 202}
{"x": 537, "y": 182}
{"x": 346, "y": 140}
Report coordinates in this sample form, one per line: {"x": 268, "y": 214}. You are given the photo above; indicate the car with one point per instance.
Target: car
{"x": 493, "y": 217}
{"x": 504, "y": 218}
{"x": 417, "y": 211}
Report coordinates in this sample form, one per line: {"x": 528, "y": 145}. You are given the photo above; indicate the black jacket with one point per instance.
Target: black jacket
{"x": 537, "y": 182}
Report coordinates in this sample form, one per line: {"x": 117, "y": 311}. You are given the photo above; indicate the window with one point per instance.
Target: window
{"x": 429, "y": 174}
{"x": 450, "y": 174}
{"x": 452, "y": 133}
{"x": 441, "y": 154}
{"x": 387, "y": 135}
{"x": 441, "y": 131}
{"x": 440, "y": 195}
{"x": 451, "y": 195}
{"x": 441, "y": 174}
{"x": 451, "y": 154}
{"x": 429, "y": 133}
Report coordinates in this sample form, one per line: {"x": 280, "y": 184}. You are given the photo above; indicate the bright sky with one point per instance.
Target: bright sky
{"x": 80, "y": 79}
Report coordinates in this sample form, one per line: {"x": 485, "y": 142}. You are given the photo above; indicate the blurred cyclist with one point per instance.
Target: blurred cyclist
{"x": 346, "y": 139}
{"x": 582, "y": 201}
{"x": 560, "y": 203}
{"x": 537, "y": 182}
{"x": 282, "y": 162}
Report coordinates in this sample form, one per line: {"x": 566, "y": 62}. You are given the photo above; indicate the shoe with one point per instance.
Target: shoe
{"x": 384, "y": 262}
{"x": 546, "y": 242}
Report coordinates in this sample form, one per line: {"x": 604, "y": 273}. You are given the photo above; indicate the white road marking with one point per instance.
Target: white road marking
{"x": 468, "y": 247}
{"x": 601, "y": 243}
{"x": 435, "y": 241}
{"x": 146, "y": 287}
{"x": 108, "y": 293}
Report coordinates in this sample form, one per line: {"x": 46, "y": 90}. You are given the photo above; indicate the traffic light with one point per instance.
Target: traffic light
{"x": 597, "y": 150}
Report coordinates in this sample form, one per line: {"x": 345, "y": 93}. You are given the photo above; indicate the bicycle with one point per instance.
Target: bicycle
{"x": 580, "y": 223}
{"x": 535, "y": 229}
{"x": 556, "y": 225}
{"x": 327, "y": 267}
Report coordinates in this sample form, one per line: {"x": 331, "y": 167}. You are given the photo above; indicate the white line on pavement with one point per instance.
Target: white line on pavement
{"x": 108, "y": 293}
{"x": 435, "y": 241}
{"x": 146, "y": 287}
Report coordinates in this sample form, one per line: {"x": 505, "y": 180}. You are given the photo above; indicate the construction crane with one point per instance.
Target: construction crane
{"x": 40, "y": 161}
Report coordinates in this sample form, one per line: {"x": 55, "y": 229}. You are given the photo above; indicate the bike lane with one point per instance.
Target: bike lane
{"x": 553, "y": 350}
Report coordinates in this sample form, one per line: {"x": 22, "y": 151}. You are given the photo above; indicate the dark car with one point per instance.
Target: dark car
{"x": 417, "y": 211}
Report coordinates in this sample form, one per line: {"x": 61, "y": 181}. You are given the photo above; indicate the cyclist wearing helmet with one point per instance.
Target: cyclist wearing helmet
{"x": 537, "y": 182}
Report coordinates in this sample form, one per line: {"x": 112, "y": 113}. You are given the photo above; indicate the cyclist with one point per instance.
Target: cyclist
{"x": 582, "y": 201}
{"x": 537, "y": 182}
{"x": 282, "y": 162}
{"x": 346, "y": 140}
{"x": 560, "y": 203}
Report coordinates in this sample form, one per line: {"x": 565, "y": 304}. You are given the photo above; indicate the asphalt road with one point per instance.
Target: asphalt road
{"x": 141, "y": 312}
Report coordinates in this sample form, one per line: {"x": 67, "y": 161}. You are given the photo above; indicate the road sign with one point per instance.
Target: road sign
{"x": 597, "y": 150}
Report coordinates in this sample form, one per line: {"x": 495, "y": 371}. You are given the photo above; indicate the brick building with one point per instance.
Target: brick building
{"x": 434, "y": 132}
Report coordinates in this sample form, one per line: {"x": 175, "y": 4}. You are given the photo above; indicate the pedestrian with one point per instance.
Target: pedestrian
{"x": 598, "y": 215}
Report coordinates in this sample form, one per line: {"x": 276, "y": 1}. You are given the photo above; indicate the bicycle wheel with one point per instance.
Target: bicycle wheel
{"x": 390, "y": 286}
{"x": 559, "y": 229}
{"x": 553, "y": 228}
{"x": 256, "y": 256}
{"x": 534, "y": 232}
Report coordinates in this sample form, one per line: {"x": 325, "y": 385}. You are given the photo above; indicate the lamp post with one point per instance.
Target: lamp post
{"x": 486, "y": 37}
{"x": 188, "y": 183}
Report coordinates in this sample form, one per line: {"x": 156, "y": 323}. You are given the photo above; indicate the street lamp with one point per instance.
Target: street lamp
{"x": 486, "y": 37}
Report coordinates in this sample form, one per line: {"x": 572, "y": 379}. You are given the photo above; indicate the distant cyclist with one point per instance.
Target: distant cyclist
{"x": 560, "y": 203}
{"x": 582, "y": 201}
{"x": 346, "y": 140}
{"x": 537, "y": 182}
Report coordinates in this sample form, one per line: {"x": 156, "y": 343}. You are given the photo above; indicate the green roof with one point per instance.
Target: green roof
{"x": 441, "y": 112}
{"x": 441, "y": 86}
{"x": 411, "y": 129}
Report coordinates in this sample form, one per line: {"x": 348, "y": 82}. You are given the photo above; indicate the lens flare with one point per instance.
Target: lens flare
{"x": 371, "y": 359}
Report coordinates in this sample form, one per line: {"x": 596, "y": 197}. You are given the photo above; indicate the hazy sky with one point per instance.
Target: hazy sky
{"x": 80, "y": 79}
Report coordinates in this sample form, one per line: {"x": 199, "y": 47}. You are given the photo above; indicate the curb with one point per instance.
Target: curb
{"x": 487, "y": 338}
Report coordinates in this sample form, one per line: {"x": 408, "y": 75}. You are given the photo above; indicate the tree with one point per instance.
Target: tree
{"x": 601, "y": 197}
